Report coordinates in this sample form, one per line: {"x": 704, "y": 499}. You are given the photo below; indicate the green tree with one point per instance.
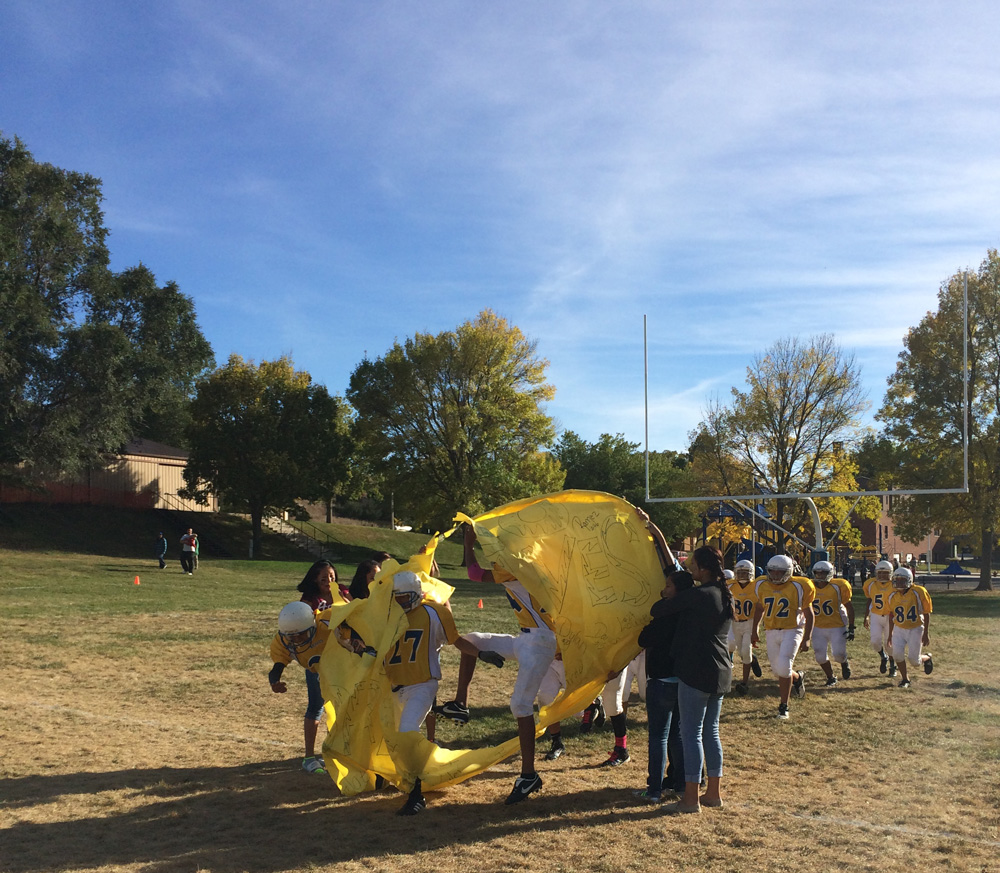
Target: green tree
{"x": 262, "y": 437}
{"x": 85, "y": 355}
{"x": 617, "y": 466}
{"x": 455, "y": 421}
{"x": 787, "y": 432}
{"x": 168, "y": 351}
{"x": 924, "y": 417}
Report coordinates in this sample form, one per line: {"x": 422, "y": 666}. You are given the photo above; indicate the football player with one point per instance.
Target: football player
{"x": 834, "y": 620}
{"x": 909, "y": 624}
{"x": 877, "y": 591}
{"x": 302, "y": 636}
{"x": 744, "y": 601}
{"x": 534, "y": 648}
{"x": 784, "y": 602}
{"x": 414, "y": 665}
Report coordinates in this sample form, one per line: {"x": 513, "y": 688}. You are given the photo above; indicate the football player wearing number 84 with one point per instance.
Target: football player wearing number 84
{"x": 909, "y": 624}
{"x": 784, "y": 602}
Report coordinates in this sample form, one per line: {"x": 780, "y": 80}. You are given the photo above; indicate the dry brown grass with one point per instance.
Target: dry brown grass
{"x": 141, "y": 739}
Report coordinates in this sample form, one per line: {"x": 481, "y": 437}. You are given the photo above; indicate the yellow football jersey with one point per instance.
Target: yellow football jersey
{"x": 878, "y": 593}
{"x": 907, "y": 608}
{"x": 783, "y": 603}
{"x": 415, "y": 657}
{"x": 828, "y": 601}
{"x": 308, "y": 657}
{"x": 744, "y": 599}
{"x": 530, "y": 613}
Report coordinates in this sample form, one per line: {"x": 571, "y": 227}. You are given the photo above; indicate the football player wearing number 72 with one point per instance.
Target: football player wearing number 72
{"x": 784, "y": 602}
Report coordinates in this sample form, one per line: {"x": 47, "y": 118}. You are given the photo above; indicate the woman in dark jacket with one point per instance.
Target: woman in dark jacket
{"x": 701, "y": 661}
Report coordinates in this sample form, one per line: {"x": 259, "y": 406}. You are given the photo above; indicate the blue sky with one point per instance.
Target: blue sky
{"x": 326, "y": 177}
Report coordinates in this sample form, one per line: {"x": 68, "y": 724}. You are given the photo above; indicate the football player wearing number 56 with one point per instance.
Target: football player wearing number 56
{"x": 784, "y": 602}
{"x": 909, "y": 624}
{"x": 877, "y": 590}
{"x": 834, "y": 620}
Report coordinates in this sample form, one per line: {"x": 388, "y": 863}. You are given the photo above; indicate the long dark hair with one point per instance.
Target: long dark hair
{"x": 310, "y": 584}
{"x": 359, "y": 584}
{"x": 710, "y": 558}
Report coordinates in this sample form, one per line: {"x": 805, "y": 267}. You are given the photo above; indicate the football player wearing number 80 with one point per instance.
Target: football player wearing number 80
{"x": 834, "y": 620}
{"x": 784, "y": 602}
{"x": 744, "y": 602}
{"x": 877, "y": 590}
{"x": 909, "y": 624}
{"x": 414, "y": 666}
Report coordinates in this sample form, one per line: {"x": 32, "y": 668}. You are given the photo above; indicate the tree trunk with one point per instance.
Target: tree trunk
{"x": 329, "y": 510}
{"x": 986, "y": 562}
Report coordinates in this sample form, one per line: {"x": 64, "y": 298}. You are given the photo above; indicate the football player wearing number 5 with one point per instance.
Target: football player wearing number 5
{"x": 414, "y": 666}
{"x": 909, "y": 624}
{"x": 744, "y": 602}
{"x": 784, "y": 602}
{"x": 877, "y": 590}
{"x": 834, "y": 620}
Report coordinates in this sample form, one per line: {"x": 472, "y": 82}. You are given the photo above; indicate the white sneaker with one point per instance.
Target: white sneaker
{"x": 313, "y": 765}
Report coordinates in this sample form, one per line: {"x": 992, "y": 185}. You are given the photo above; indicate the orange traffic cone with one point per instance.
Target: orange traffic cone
{"x": 136, "y": 580}
{"x": 480, "y": 599}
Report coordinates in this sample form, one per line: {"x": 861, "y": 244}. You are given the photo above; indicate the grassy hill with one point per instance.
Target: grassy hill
{"x": 131, "y": 533}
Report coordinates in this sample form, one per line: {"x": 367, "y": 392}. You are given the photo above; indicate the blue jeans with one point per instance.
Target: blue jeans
{"x": 700, "y": 731}
{"x": 661, "y": 697}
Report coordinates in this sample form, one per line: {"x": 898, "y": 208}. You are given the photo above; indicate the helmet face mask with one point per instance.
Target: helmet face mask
{"x": 744, "y": 571}
{"x": 822, "y": 572}
{"x": 779, "y": 569}
{"x": 902, "y": 579}
{"x": 297, "y": 626}
{"x": 883, "y": 571}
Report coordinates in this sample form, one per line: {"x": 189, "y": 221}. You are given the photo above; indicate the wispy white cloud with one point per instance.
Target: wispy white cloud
{"x": 736, "y": 174}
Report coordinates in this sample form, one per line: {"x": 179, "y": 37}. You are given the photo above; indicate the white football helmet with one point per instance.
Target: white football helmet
{"x": 780, "y": 568}
{"x": 729, "y": 574}
{"x": 883, "y": 571}
{"x": 406, "y": 589}
{"x": 744, "y": 571}
{"x": 823, "y": 571}
{"x": 902, "y": 578}
{"x": 297, "y": 626}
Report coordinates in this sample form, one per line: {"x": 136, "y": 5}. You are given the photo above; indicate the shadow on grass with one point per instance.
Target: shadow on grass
{"x": 259, "y": 817}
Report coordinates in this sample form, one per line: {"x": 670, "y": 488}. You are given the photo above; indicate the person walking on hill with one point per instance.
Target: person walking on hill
{"x": 161, "y": 550}
{"x": 189, "y": 544}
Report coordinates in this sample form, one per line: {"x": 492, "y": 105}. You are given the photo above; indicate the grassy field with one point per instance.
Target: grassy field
{"x": 139, "y": 734}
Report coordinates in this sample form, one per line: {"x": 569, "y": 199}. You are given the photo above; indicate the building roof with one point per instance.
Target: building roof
{"x": 150, "y": 449}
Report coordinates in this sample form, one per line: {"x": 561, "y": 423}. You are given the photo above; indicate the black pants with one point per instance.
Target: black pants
{"x": 187, "y": 562}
